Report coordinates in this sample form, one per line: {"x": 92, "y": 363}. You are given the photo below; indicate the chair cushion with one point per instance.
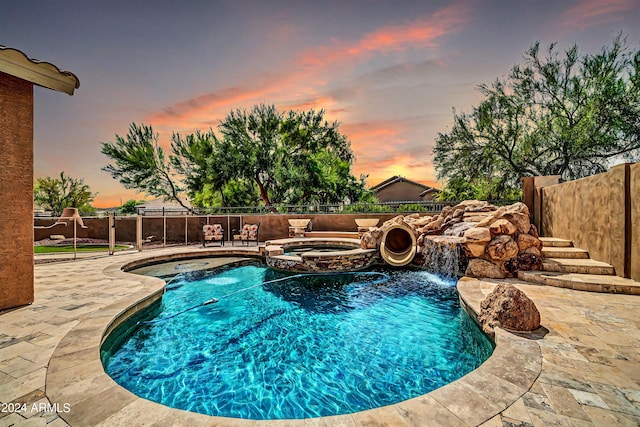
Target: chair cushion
{"x": 212, "y": 232}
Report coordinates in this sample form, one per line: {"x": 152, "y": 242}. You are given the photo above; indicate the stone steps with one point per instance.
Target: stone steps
{"x": 556, "y": 242}
{"x": 564, "y": 252}
{"x": 565, "y": 266}
{"x": 582, "y": 282}
{"x": 584, "y": 266}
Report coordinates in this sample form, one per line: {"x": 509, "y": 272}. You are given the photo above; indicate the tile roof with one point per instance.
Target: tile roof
{"x": 41, "y": 73}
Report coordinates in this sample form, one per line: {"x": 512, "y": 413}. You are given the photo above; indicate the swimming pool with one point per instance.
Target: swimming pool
{"x": 296, "y": 348}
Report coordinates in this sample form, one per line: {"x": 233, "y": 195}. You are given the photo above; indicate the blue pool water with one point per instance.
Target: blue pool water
{"x": 297, "y": 348}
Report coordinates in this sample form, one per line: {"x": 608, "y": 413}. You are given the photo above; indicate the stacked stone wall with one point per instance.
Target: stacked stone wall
{"x": 497, "y": 241}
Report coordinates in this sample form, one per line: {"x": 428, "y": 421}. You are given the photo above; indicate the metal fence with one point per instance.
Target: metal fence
{"x": 432, "y": 207}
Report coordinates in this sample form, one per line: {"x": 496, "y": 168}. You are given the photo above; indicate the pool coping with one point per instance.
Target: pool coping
{"x": 75, "y": 374}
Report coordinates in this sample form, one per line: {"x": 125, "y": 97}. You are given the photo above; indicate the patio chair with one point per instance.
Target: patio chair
{"x": 212, "y": 233}
{"x": 249, "y": 233}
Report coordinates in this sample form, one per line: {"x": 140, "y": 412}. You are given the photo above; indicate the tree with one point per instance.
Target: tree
{"x": 129, "y": 207}
{"x": 567, "y": 115}
{"x": 259, "y": 155}
{"x": 293, "y": 158}
{"x": 139, "y": 163}
{"x": 55, "y": 194}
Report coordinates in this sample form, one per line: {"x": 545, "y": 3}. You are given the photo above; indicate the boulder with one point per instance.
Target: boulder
{"x": 478, "y": 234}
{"x": 368, "y": 241}
{"x": 509, "y": 308}
{"x": 475, "y": 217}
{"x": 434, "y": 226}
{"x": 533, "y": 251}
{"x": 481, "y": 268}
{"x": 421, "y": 222}
{"x": 517, "y": 214}
{"x": 475, "y": 250}
{"x": 502, "y": 226}
{"x": 533, "y": 231}
{"x": 459, "y": 229}
{"x": 526, "y": 241}
{"x": 525, "y": 261}
{"x": 502, "y": 248}
{"x": 475, "y": 206}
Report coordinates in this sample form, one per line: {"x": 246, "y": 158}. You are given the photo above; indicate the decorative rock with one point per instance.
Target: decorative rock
{"x": 533, "y": 251}
{"x": 502, "y": 226}
{"x": 517, "y": 214}
{"x": 475, "y": 250}
{"x": 368, "y": 241}
{"x": 534, "y": 231}
{"x": 475, "y": 217}
{"x": 502, "y": 248}
{"x": 478, "y": 234}
{"x": 526, "y": 241}
{"x": 458, "y": 213}
{"x": 475, "y": 206}
{"x": 482, "y": 268}
{"x": 526, "y": 261}
{"x": 421, "y": 222}
{"x": 509, "y": 308}
{"x": 458, "y": 230}
{"x": 433, "y": 225}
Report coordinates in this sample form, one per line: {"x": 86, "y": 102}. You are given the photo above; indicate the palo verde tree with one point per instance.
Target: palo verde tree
{"x": 557, "y": 114}
{"x": 55, "y": 194}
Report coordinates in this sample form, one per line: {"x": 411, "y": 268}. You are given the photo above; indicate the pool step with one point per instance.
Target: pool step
{"x": 582, "y": 282}
{"x": 556, "y": 242}
{"x": 584, "y": 266}
{"x": 564, "y": 252}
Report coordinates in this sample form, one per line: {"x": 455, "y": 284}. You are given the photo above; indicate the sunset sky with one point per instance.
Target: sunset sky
{"x": 390, "y": 71}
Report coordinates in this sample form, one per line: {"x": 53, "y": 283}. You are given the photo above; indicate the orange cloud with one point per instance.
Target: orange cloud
{"x": 300, "y": 81}
{"x": 590, "y": 13}
{"x": 421, "y": 32}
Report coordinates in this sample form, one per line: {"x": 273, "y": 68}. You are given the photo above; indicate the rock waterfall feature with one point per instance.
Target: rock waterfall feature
{"x": 473, "y": 238}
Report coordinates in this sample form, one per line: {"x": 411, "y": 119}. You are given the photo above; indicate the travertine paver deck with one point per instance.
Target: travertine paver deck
{"x": 584, "y": 371}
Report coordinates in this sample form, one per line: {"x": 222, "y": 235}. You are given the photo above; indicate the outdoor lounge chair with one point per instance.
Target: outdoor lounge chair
{"x": 249, "y": 233}
{"x": 212, "y": 233}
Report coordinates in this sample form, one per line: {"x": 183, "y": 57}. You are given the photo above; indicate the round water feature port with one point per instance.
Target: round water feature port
{"x": 398, "y": 245}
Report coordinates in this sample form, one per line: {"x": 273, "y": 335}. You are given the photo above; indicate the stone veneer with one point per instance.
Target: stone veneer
{"x": 344, "y": 260}
{"x": 16, "y": 187}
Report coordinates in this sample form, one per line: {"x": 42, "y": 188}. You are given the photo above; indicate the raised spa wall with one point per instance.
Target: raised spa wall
{"x": 344, "y": 260}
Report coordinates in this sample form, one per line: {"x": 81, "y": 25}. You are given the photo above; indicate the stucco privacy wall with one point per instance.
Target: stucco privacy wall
{"x": 634, "y": 196}
{"x": 16, "y": 178}
{"x": 598, "y": 214}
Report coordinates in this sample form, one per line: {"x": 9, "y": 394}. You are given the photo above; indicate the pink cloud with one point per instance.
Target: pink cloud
{"x": 590, "y": 13}
{"x": 419, "y": 33}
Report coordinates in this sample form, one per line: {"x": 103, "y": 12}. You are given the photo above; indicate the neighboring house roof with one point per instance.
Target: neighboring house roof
{"x": 45, "y": 74}
{"x": 429, "y": 191}
{"x": 396, "y": 179}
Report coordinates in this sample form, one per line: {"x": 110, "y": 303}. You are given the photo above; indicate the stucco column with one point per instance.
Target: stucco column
{"x": 16, "y": 191}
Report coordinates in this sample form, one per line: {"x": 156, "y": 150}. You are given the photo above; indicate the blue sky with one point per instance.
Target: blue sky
{"x": 390, "y": 71}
